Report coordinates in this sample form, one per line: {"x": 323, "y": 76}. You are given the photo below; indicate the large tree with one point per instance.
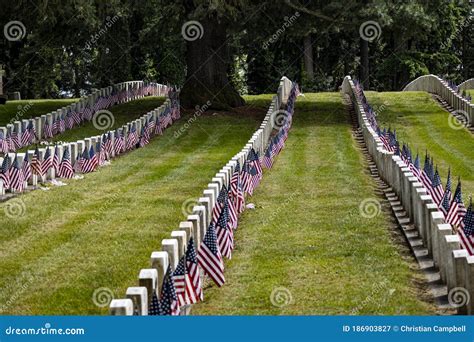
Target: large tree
{"x": 207, "y": 32}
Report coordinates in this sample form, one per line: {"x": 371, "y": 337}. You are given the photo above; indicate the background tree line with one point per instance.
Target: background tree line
{"x": 72, "y": 46}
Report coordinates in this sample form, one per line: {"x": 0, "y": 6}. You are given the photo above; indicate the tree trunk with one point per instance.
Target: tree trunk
{"x": 308, "y": 57}
{"x": 207, "y": 61}
{"x": 364, "y": 63}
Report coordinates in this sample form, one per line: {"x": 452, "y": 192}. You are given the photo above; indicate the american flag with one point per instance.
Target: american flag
{"x": 144, "y": 136}
{"x": 426, "y": 176}
{"x": 180, "y": 279}
{"x": 221, "y": 199}
{"x": 5, "y": 172}
{"x": 236, "y": 190}
{"x": 47, "y": 130}
{"x": 168, "y": 298}
{"x": 155, "y": 305}
{"x": 194, "y": 290}
{"x": 65, "y": 168}
{"x": 158, "y": 128}
{"x": 246, "y": 178}
{"x": 55, "y": 125}
{"x": 151, "y": 126}
{"x": 99, "y": 153}
{"x": 3, "y": 144}
{"x": 132, "y": 137}
{"x": 415, "y": 167}
{"x": 466, "y": 234}
{"x": 457, "y": 211}
{"x": 233, "y": 216}
{"x": 446, "y": 201}
{"x": 15, "y": 140}
{"x": 62, "y": 126}
{"x": 210, "y": 258}
{"x": 76, "y": 117}
{"x": 268, "y": 158}
{"x": 252, "y": 179}
{"x": 11, "y": 145}
{"x": 69, "y": 120}
{"x": 56, "y": 157}
{"x": 90, "y": 161}
{"x": 437, "y": 192}
{"x": 47, "y": 162}
{"x": 255, "y": 161}
{"x": 119, "y": 143}
{"x": 25, "y": 135}
{"x": 36, "y": 164}
{"x": 17, "y": 180}
{"x": 26, "y": 168}
{"x": 109, "y": 148}
{"x": 225, "y": 237}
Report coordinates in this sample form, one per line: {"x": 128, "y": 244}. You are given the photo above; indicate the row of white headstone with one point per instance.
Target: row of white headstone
{"x": 138, "y": 298}
{"x": 77, "y": 147}
{"x": 455, "y": 265}
{"x": 436, "y": 85}
{"x": 130, "y": 88}
{"x": 466, "y": 85}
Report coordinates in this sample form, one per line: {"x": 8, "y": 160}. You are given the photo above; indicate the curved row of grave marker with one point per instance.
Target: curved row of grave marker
{"x": 442, "y": 88}
{"x": 21, "y": 171}
{"x": 23, "y": 133}
{"x": 174, "y": 280}
{"x": 447, "y": 234}
{"x": 467, "y": 84}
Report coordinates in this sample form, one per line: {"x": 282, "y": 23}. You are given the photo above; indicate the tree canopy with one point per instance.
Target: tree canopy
{"x": 242, "y": 46}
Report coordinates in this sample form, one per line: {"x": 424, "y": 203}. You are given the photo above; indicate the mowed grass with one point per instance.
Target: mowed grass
{"x": 26, "y": 109}
{"x": 307, "y": 239}
{"x": 99, "y": 232}
{"x": 422, "y": 123}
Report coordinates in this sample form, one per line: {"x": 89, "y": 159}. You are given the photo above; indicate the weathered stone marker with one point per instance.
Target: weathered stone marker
{"x": 159, "y": 261}
{"x": 121, "y": 307}
{"x": 139, "y": 297}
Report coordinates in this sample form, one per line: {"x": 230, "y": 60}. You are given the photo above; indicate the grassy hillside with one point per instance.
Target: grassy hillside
{"x": 307, "y": 239}
{"x": 100, "y": 231}
{"x": 421, "y": 122}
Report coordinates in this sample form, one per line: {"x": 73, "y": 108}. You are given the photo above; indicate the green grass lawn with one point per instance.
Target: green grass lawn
{"x": 26, "y": 109}
{"x": 100, "y": 231}
{"x": 471, "y": 92}
{"x": 307, "y": 236}
{"x": 422, "y": 123}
